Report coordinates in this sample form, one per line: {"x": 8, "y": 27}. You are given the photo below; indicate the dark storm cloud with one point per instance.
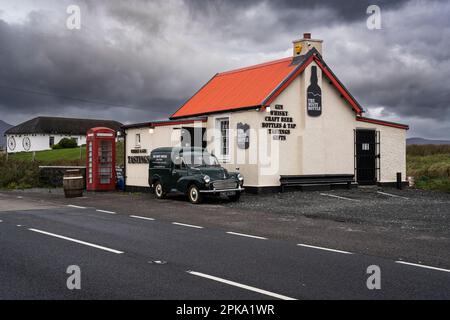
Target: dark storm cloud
{"x": 139, "y": 60}
{"x": 43, "y": 72}
{"x": 348, "y": 10}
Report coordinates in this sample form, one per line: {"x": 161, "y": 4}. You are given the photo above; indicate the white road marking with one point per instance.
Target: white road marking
{"x": 322, "y": 248}
{"x": 105, "y": 211}
{"x": 338, "y": 197}
{"x": 1, "y": 221}
{"x": 143, "y": 218}
{"x": 76, "y": 241}
{"x": 19, "y": 225}
{"x": 19, "y": 197}
{"x": 187, "y": 225}
{"x": 392, "y": 195}
{"x": 246, "y": 235}
{"x": 239, "y": 285}
{"x": 73, "y": 206}
{"x": 422, "y": 266}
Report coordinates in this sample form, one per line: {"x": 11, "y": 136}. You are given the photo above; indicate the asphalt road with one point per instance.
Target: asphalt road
{"x": 126, "y": 257}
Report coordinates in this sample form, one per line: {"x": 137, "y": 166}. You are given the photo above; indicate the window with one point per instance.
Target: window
{"x": 138, "y": 140}
{"x": 223, "y": 125}
{"x": 90, "y": 161}
{"x": 51, "y": 141}
{"x": 178, "y": 163}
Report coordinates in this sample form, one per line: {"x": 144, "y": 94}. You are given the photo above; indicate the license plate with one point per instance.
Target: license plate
{"x": 229, "y": 193}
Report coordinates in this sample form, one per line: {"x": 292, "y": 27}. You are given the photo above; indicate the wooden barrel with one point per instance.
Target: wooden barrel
{"x": 73, "y": 183}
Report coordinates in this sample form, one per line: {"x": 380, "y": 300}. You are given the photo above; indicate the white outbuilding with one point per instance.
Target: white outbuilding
{"x": 42, "y": 133}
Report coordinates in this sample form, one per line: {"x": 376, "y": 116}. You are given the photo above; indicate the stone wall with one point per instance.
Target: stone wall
{"x": 53, "y": 175}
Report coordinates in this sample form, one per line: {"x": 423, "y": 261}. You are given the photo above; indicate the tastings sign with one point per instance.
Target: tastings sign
{"x": 279, "y": 124}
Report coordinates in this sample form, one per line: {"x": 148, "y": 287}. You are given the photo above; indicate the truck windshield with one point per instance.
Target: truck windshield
{"x": 199, "y": 159}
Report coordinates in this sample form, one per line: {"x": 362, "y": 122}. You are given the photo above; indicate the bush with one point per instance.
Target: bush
{"x": 65, "y": 143}
{"x": 430, "y": 166}
{"x": 436, "y": 184}
{"x": 18, "y": 174}
{"x": 427, "y": 149}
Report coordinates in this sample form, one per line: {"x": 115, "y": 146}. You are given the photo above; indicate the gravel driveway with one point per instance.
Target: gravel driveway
{"x": 410, "y": 209}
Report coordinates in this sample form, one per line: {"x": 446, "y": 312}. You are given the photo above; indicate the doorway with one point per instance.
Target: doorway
{"x": 193, "y": 137}
{"x": 367, "y": 156}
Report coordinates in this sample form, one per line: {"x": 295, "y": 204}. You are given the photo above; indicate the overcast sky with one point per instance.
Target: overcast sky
{"x": 136, "y": 61}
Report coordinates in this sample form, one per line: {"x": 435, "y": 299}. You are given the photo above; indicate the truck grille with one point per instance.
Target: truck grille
{"x": 225, "y": 184}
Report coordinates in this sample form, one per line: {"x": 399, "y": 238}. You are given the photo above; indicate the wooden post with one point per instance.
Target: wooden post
{"x": 399, "y": 180}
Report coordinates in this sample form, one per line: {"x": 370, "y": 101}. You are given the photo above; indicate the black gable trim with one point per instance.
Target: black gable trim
{"x": 55, "y": 125}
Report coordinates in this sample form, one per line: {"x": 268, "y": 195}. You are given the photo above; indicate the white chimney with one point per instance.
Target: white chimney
{"x": 302, "y": 46}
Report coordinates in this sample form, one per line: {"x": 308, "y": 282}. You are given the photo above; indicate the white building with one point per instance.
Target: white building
{"x": 284, "y": 121}
{"x": 42, "y": 133}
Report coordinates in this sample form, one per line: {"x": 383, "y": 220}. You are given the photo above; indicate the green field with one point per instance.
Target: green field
{"x": 20, "y": 170}
{"x": 52, "y": 156}
{"x": 430, "y": 166}
{"x": 69, "y": 156}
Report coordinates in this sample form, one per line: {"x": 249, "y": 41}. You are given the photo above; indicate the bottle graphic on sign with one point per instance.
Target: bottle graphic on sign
{"x": 314, "y": 95}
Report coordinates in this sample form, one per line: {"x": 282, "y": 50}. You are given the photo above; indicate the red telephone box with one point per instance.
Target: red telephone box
{"x": 100, "y": 159}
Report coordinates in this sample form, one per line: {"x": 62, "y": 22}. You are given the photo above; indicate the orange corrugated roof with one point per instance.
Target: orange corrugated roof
{"x": 246, "y": 87}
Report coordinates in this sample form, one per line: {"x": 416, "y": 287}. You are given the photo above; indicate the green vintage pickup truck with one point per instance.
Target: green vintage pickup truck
{"x": 193, "y": 172}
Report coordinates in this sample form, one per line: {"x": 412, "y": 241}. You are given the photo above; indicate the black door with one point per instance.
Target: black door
{"x": 366, "y": 156}
{"x": 179, "y": 170}
{"x": 193, "y": 137}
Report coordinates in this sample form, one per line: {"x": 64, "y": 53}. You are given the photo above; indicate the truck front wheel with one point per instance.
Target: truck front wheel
{"x": 194, "y": 194}
{"x": 159, "y": 191}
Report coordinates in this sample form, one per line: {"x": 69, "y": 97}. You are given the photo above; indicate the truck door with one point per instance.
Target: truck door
{"x": 179, "y": 170}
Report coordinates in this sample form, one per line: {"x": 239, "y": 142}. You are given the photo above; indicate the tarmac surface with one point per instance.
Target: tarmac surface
{"x": 132, "y": 246}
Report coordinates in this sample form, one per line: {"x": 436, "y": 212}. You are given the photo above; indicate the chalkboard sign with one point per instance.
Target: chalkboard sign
{"x": 243, "y": 135}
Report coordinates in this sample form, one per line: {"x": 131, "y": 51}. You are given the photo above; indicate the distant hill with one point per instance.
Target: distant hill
{"x": 3, "y": 127}
{"x": 420, "y": 141}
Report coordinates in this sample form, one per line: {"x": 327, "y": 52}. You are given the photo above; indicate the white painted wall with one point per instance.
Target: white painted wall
{"x": 161, "y": 136}
{"x": 328, "y": 140}
{"x": 265, "y": 160}
{"x": 392, "y": 150}
{"x": 318, "y": 145}
{"x": 39, "y": 142}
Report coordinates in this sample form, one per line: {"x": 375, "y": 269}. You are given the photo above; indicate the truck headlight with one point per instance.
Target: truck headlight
{"x": 240, "y": 177}
{"x": 206, "y": 178}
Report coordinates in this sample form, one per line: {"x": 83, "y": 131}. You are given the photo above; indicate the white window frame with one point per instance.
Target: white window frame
{"x": 137, "y": 140}
{"x": 221, "y": 155}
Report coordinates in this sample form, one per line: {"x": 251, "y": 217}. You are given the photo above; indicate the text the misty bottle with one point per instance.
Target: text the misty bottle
{"x": 314, "y": 95}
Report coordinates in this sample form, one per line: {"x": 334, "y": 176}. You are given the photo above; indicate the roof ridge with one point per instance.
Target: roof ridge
{"x": 68, "y": 118}
{"x": 264, "y": 64}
